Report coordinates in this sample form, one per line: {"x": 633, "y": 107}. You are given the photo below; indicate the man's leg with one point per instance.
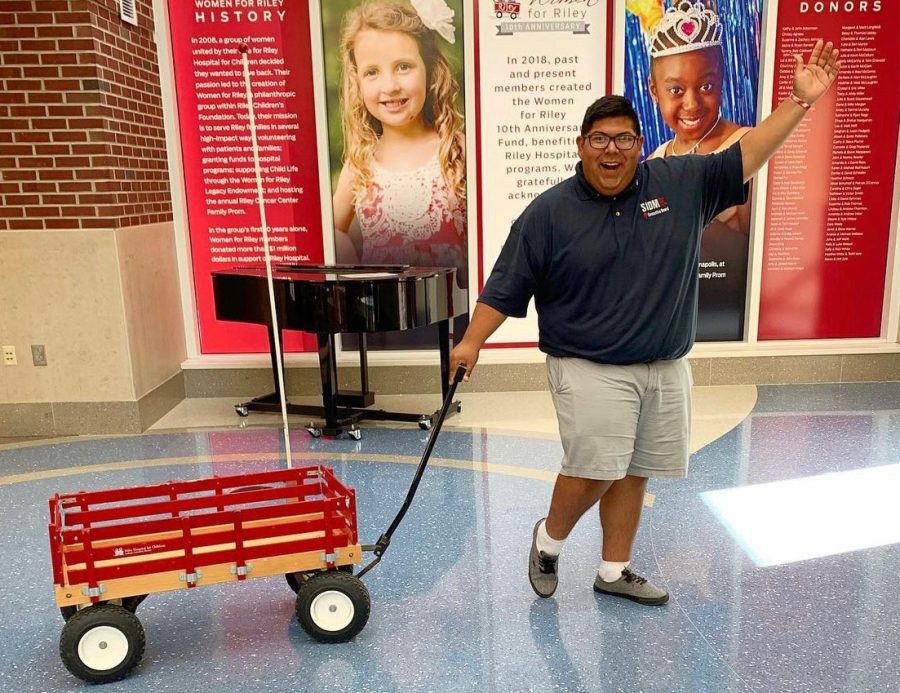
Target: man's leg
{"x": 661, "y": 450}
{"x": 598, "y": 409}
{"x": 572, "y": 498}
{"x": 620, "y": 515}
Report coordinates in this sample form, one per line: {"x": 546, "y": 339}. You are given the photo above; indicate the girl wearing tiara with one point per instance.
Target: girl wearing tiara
{"x": 400, "y": 196}
{"x": 686, "y": 80}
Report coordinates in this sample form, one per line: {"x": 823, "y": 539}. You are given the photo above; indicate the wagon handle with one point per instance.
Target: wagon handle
{"x": 380, "y": 546}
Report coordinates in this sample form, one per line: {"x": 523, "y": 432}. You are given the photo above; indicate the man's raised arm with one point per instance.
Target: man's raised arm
{"x": 811, "y": 81}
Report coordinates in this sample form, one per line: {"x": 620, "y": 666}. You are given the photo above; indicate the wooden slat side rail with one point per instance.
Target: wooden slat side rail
{"x": 55, "y": 547}
{"x": 276, "y": 521}
{"x": 291, "y": 539}
{"x": 209, "y": 556}
{"x": 208, "y": 485}
{"x": 188, "y": 538}
{"x": 123, "y": 530}
{"x": 181, "y": 504}
{"x": 149, "y": 537}
{"x": 351, "y": 509}
{"x": 70, "y": 595}
{"x": 324, "y": 485}
{"x": 148, "y": 544}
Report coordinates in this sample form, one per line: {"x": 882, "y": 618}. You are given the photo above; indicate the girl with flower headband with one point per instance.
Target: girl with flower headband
{"x": 686, "y": 80}
{"x": 400, "y": 197}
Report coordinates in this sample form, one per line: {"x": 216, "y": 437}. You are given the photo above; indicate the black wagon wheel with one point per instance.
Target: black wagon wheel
{"x": 333, "y": 606}
{"x": 294, "y": 580}
{"x": 102, "y": 643}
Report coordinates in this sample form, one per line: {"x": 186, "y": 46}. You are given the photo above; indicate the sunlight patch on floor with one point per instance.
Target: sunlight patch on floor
{"x": 823, "y": 515}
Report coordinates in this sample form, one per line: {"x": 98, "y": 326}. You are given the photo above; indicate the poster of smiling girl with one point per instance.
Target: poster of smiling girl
{"x": 397, "y": 145}
{"x": 692, "y": 72}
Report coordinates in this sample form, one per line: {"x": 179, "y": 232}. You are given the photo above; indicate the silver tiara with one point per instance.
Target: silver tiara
{"x": 685, "y": 27}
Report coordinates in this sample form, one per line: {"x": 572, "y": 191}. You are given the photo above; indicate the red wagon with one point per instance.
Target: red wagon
{"x": 110, "y": 549}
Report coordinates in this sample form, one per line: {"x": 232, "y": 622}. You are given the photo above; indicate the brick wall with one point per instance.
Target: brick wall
{"x": 82, "y": 143}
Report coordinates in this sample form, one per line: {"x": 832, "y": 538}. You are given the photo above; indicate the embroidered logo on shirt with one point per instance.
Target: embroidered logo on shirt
{"x": 651, "y": 208}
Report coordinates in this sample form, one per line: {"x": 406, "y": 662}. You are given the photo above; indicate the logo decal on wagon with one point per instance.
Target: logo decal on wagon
{"x": 651, "y": 208}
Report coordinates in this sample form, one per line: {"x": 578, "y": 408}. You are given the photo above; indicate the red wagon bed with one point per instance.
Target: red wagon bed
{"x": 112, "y": 548}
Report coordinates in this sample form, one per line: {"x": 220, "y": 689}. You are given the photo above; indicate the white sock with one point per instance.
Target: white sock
{"x": 610, "y": 571}
{"x": 547, "y": 544}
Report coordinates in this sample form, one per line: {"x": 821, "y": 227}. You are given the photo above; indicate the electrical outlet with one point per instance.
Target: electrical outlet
{"x": 9, "y": 356}
{"x": 38, "y": 355}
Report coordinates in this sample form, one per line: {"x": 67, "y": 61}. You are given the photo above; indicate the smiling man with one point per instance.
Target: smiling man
{"x": 610, "y": 257}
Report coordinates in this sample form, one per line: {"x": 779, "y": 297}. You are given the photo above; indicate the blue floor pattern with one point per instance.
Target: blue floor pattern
{"x": 451, "y": 606}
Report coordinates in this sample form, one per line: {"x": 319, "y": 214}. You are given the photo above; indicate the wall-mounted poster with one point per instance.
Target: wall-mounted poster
{"x": 219, "y": 169}
{"x": 539, "y": 65}
{"x": 394, "y": 80}
{"x": 692, "y": 70}
{"x": 831, "y": 186}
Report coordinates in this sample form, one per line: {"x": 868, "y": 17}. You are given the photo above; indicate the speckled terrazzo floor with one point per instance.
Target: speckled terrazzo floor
{"x": 780, "y": 551}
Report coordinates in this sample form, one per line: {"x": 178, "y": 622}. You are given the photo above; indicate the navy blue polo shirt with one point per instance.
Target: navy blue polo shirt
{"x": 615, "y": 278}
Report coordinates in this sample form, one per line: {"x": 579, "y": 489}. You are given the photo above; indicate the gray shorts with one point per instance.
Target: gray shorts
{"x": 618, "y": 420}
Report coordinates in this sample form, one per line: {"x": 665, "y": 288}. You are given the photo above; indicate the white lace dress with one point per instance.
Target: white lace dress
{"x": 410, "y": 217}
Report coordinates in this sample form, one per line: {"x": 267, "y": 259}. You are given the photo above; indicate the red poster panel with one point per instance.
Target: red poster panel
{"x": 219, "y": 172}
{"x": 830, "y": 187}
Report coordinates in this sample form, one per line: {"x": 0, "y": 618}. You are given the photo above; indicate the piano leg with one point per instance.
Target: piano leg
{"x": 271, "y": 334}
{"x": 341, "y": 410}
{"x": 364, "y": 366}
{"x": 328, "y": 371}
{"x": 270, "y": 402}
{"x": 338, "y": 418}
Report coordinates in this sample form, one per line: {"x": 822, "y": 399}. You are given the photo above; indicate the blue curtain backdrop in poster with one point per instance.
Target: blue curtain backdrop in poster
{"x": 740, "y": 48}
{"x": 692, "y": 71}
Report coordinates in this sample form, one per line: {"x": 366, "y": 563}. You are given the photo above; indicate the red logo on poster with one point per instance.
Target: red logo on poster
{"x": 510, "y": 8}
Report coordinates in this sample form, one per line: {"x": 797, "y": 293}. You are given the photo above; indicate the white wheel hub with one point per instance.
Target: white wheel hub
{"x": 103, "y": 648}
{"x": 332, "y": 610}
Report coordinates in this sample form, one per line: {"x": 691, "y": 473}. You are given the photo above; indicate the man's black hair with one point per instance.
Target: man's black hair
{"x": 610, "y": 106}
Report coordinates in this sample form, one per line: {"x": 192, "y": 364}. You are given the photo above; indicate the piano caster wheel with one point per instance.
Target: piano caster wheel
{"x": 425, "y": 423}
{"x": 314, "y": 432}
{"x": 241, "y": 410}
{"x": 355, "y": 433}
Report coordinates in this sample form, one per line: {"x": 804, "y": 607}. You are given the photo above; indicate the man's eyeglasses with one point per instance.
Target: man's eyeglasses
{"x": 600, "y": 140}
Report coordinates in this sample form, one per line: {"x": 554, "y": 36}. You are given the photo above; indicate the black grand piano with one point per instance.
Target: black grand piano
{"x": 332, "y": 299}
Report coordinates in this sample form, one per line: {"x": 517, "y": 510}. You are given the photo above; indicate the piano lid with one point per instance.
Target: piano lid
{"x": 338, "y": 273}
{"x": 312, "y": 299}
{"x": 343, "y": 269}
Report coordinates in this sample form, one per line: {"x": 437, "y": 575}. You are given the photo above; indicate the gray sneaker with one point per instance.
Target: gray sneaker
{"x": 634, "y": 587}
{"x": 541, "y": 568}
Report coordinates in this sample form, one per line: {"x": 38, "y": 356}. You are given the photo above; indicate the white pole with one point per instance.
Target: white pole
{"x": 245, "y": 50}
